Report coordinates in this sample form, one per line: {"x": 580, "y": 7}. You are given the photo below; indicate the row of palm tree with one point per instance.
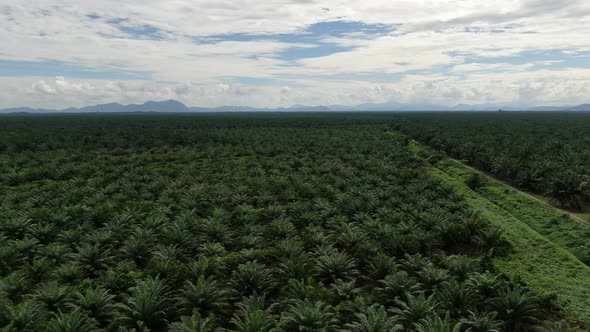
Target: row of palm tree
{"x": 544, "y": 153}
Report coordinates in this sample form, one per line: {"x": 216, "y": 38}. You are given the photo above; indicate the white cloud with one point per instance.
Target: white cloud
{"x": 64, "y": 86}
{"x": 478, "y": 67}
{"x": 544, "y": 87}
{"x": 43, "y": 87}
{"x": 434, "y": 37}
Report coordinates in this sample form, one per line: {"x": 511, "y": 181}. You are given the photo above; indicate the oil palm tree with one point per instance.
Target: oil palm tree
{"x": 345, "y": 291}
{"x": 27, "y": 315}
{"x": 93, "y": 259}
{"x": 205, "y": 296}
{"x": 10, "y": 258}
{"x": 167, "y": 262}
{"x": 569, "y": 188}
{"x": 435, "y": 323}
{"x": 289, "y": 248}
{"x": 246, "y": 214}
{"x": 486, "y": 284}
{"x": 181, "y": 233}
{"x": 119, "y": 278}
{"x": 148, "y": 306}
{"x": 138, "y": 246}
{"x": 455, "y": 298}
{"x": 415, "y": 308}
{"x": 306, "y": 315}
{"x": 69, "y": 273}
{"x": 252, "y": 277}
{"x": 75, "y": 321}
{"x": 38, "y": 269}
{"x": 460, "y": 266}
{"x": 481, "y": 322}
{"x": 5, "y": 307}
{"x": 17, "y": 227}
{"x": 44, "y": 233}
{"x": 492, "y": 241}
{"x": 374, "y": 319}
{"x": 431, "y": 277}
{"x": 194, "y": 323}
{"x": 333, "y": 264}
{"x": 308, "y": 288}
{"x": 394, "y": 286}
{"x": 294, "y": 267}
{"x": 52, "y": 296}
{"x": 413, "y": 264}
{"x": 252, "y": 316}
{"x": 204, "y": 266}
{"x": 216, "y": 230}
{"x": 98, "y": 303}
{"x": 213, "y": 249}
{"x": 281, "y": 228}
{"x": 518, "y": 310}
{"x": 14, "y": 285}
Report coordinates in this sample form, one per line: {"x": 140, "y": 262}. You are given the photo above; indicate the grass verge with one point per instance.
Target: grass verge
{"x": 546, "y": 244}
{"x": 546, "y": 267}
{"x": 557, "y": 226}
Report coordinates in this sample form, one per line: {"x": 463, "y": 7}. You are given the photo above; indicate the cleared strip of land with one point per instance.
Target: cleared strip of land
{"x": 546, "y": 242}
{"x": 580, "y": 217}
{"x": 557, "y": 225}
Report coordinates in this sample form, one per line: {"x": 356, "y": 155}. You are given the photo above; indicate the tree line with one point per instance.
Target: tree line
{"x": 545, "y": 153}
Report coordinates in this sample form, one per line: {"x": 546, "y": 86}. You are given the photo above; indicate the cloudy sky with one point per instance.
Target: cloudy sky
{"x": 63, "y": 53}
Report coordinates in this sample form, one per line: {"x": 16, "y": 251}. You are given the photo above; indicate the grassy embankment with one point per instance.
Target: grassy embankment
{"x": 555, "y": 225}
{"x": 547, "y": 245}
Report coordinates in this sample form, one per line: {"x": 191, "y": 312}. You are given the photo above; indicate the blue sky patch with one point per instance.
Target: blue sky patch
{"x": 477, "y": 29}
{"x": 93, "y": 16}
{"x": 378, "y": 77}
{"x": 51, "y": 68}
{"x": 141, "y": 31}
{"x": 343, "y": 28}
{"x": 323, "y": 49}
{"x": 260, "y": 81}
{"x": 542, "y": 59}
{"x": 313, "y": 35}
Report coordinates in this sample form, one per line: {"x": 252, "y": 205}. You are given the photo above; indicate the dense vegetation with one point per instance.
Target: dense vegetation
{"x": 547, "y": 153}
{"x": 241, "y": 222}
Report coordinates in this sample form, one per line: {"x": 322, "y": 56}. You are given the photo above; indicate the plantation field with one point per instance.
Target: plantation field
{"x": 547, "y": 153}
{"x": 547, "y": 246}
{"x": 257, "y": 222}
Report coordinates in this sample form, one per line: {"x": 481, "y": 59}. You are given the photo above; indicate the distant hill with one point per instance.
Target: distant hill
{"x": 169, "y": 106}
{"x": 226, "y": 109}
{"x": 549, "y": 108}
{"x": 23, "y": 110}
{"x": 112, "y": 107}
{"x": 174, "y": 106}
{"x": 296, "y": 108}
{"x": 301, "y": 108}
{"x": 583, "y": 107}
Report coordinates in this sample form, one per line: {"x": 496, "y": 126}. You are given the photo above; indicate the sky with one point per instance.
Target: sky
{"x": 278, "y": 53}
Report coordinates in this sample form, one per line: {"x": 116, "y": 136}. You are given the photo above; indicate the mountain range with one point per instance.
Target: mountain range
{"x": 174, "y": 106}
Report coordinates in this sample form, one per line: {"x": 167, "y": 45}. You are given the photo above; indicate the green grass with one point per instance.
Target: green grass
{"x": 556, "y": 226}
{"x": 546, "y": 267}
{"x": 584, "y": 214}
{"x": 545, "y": 243}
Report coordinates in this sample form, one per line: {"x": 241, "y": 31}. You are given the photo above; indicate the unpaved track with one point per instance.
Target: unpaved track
{"x": 571, "y": 215}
